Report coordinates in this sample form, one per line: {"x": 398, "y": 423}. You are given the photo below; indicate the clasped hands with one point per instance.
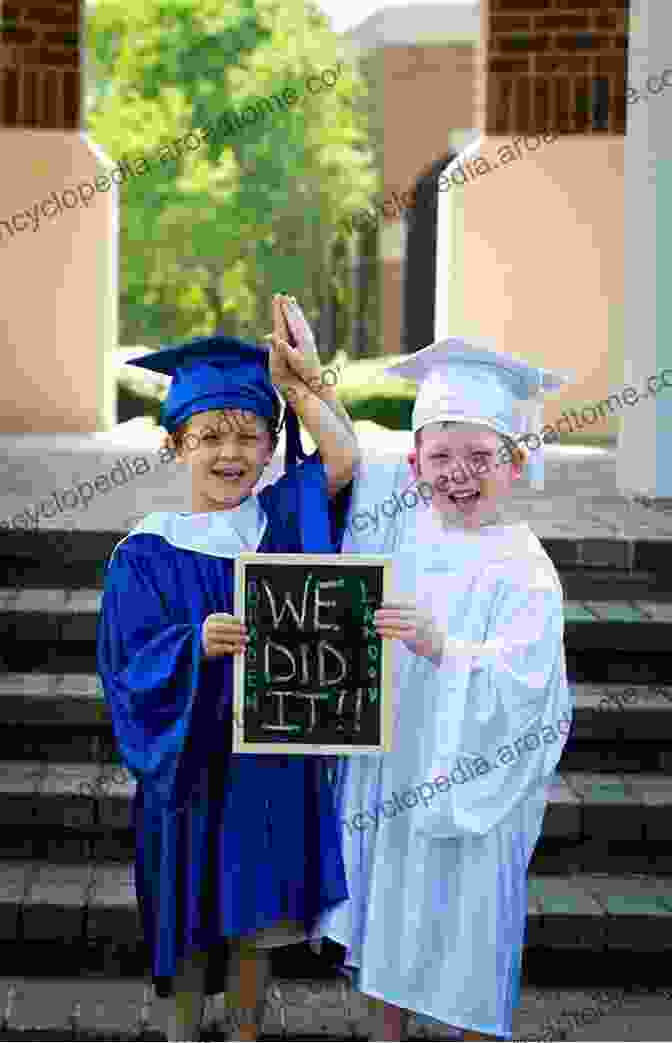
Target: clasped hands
{"x": 223, "y": 634}
{"x": 295, "y": 371}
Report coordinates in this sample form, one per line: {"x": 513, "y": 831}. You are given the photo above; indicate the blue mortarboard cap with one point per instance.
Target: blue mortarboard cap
{"x": 221, "y": 373}
{"x": 464, "y": 382}
{"x": 213, "y": 373}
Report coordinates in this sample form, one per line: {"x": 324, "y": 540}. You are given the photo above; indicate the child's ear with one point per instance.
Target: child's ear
{"x": 175, "y": 447}
{"x": 413, "y": 462}
{"x": 168, "y": 450}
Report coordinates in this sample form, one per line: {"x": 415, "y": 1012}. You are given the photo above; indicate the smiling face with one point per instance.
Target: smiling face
{"x": 226, "y": 451}
{"x": 467, "y": 469}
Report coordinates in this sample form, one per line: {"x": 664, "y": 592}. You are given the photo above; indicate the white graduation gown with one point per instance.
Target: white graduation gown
{"x": 437, "y": 878}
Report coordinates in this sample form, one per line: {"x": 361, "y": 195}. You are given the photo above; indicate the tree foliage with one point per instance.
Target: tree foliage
{"x": 209, "y": 236}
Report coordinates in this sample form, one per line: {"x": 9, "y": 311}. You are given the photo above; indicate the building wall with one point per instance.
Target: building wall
{"x": 40, "y": 64}
{"x": 530, "y": 64}
{"x": 58, "y": 268}
{"x": 541, "y": 59}
{"x": 542, "y": 240}
{"x": 531, "y": 258}
{"x": 426, "y": 91}
{"x": 58, "y": 322}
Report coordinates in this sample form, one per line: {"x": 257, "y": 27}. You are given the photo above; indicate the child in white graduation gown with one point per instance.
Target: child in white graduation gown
{"x": 439, "y": 833}
{"x": 224, "y": 856}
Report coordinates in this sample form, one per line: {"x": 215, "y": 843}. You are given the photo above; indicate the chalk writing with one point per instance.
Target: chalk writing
{"x": 312, "y": 666}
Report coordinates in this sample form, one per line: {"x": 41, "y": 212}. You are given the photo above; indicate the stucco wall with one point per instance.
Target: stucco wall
{"x": 58, "y": 322}
{"x": 427, "y": 90}
{"x": 531, "y": 257}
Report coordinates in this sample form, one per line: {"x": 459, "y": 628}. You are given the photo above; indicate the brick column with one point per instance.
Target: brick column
{"x": 40, "y": 65}
{"x": 553, "y": 64}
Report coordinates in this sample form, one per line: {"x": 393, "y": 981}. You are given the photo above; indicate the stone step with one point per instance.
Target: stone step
{"x": 54, "y": 630}
{"x": 75, "y": 813}
{"x": 64, "y": 719}
{"x": 602, "y": 584}
{"x": 73, "y": 1008}
{"x": 78, "y": 558}
{"x": 92, "y": 909}
{"x": 37, "y": 707}
{"x": 21, "y": 604}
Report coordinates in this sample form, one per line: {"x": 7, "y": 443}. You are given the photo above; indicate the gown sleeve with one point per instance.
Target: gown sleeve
{"x": 290, "y": 497}
{"x": 502, "y": 706}
{"x": 383, "y": 488}
{"x": 162, "y": 696}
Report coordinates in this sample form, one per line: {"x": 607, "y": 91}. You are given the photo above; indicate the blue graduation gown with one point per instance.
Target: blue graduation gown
{"x": 225, "y": 844}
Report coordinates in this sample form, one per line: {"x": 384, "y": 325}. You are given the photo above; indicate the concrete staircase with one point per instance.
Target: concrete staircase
{"x": 600, "y": 883}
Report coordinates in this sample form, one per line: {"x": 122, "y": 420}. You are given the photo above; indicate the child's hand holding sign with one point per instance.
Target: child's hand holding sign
{"x": 404, "y": 621}
{"x": 223, "y": 634}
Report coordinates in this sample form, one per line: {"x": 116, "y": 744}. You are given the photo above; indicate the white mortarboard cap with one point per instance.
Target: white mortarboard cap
{"x": 464, "y": 382}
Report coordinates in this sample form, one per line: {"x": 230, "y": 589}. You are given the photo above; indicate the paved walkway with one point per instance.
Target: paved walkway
{"x": 108, "y": 481}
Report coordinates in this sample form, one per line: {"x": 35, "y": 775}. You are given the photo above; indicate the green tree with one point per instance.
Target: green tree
{"x": 209, "y": 236}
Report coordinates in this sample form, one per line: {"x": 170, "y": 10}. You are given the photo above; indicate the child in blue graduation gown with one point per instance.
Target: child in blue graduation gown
{"x": 243, "y": 848}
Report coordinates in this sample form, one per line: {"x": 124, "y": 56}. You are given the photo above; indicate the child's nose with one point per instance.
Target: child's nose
{"x": 227, "y": 448}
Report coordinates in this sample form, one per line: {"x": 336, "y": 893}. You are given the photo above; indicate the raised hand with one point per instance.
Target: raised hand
{"x": 294, "y": 374}
{"x": 280, "y": 327}
{"x": 292, "y": 326}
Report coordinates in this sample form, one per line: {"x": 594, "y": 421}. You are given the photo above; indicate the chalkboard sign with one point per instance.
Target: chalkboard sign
{"x": 315, "y": 677}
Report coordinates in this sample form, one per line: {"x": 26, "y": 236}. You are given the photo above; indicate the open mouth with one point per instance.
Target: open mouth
{"x": 464, "y": 499}
{"x": 230, "y": 474}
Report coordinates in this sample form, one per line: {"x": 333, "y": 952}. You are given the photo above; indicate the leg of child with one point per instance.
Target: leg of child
{"x": 392, "y": 1023}
{"x": 250, "y": 968}
{"x": 185, "y": 1020}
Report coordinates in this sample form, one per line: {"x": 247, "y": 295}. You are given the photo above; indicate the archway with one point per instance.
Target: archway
{"x": 419, "y": 279}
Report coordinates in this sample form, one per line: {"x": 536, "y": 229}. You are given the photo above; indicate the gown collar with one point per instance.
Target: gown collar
{"x": 222, "y": 534}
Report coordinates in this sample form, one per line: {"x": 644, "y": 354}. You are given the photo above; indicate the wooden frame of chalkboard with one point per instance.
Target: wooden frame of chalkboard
{"x": 314, "y": 665}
